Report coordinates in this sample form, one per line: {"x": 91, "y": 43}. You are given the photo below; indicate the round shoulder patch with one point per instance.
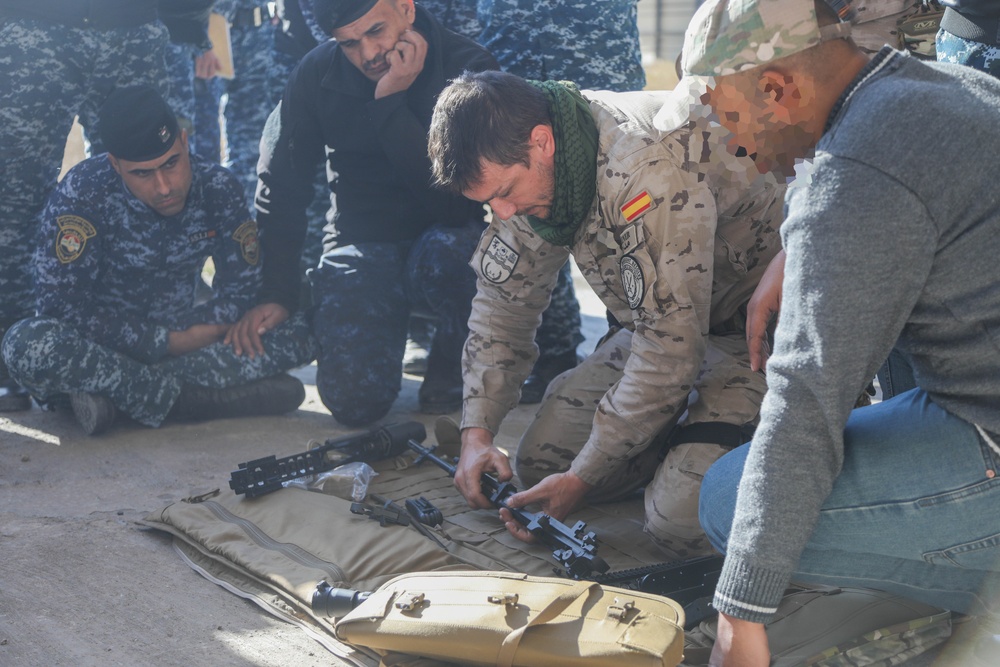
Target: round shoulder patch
{"x": 632, "y": 280}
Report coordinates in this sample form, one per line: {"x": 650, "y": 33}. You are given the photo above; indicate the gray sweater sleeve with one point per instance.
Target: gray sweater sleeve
{"x": 860, "y": 246}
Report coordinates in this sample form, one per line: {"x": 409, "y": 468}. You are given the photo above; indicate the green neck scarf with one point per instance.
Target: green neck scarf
{"x": 575, "y": 162}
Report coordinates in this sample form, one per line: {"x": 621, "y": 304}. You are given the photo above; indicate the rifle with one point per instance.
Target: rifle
{"x": 574, "y": 548}
{"x": 260, "y": 476}
{"x": 690, "y": 583}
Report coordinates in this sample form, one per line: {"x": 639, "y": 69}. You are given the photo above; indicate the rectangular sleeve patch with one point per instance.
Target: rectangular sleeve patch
{"x": 637, "y": 206}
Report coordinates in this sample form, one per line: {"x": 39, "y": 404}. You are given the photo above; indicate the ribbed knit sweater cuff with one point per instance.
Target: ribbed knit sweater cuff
{"x": 749, "y": 593}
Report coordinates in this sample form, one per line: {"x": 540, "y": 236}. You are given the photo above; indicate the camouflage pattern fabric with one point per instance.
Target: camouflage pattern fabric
{"x": 954, "y": 49}
{"x": 50, "y": 358}
{"x": 455, "y": 15}
{"x": 123, "y": 275}
{"x": 727, "y": 391}
{"x": 679, "y": 235}
{"x": 729, "y": 36}
{"x": 251, "y": 95}
{"x": 593, "y": 44}
{"x": 180, "y": 72}
{"x": 893, "y": 645}
{"x": 365, "y": 294}
{"x": 114, "y": 278}
{"x": 52, "y": 73}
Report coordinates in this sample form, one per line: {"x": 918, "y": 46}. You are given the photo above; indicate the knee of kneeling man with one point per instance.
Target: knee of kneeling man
{"x": 25, "y": 343}
{"x": 716, "y": 505}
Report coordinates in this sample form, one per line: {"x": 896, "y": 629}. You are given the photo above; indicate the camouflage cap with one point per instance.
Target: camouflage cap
{"x": 729, "y": 36}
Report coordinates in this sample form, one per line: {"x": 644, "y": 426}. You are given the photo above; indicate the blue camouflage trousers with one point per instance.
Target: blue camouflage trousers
{"x": 51, "y": 74}
{"x": 250, "y": 97}
{"x": 954, "y": 49}
{"x": 364, "y": 295}
{"x": 49, "y": 358}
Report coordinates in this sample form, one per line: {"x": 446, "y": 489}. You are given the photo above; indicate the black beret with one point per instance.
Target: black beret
{"x": 333, "y": 14}
{"x": 136, "y": 124}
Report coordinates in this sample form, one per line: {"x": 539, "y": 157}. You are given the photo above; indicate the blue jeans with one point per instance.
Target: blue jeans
{"x": 913, "y": 512}
{"x": 896, "y": 375}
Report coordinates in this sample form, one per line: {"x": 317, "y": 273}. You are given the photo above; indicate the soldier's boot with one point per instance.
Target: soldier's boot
{"x": 545, "y": 369}
{"x": 94, "y": 412}
{"x": 274, "y": 395}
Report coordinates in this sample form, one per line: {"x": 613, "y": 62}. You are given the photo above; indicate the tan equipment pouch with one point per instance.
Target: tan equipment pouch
{"x": 504, "y": 618}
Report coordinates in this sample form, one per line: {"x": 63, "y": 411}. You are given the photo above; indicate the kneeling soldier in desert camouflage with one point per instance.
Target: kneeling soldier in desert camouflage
{"x": 122, "y": 243}
{"x": 671, "y": 229}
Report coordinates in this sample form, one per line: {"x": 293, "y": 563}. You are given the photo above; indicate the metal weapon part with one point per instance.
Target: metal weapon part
{"x": 260, "y": 476}
{"x": 575, "y": 548}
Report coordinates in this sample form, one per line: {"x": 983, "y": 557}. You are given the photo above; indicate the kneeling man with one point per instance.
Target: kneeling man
{"x": 673, "y": 233}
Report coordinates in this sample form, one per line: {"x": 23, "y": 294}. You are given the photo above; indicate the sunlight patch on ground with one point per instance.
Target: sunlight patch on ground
{"x": 7, "y": 426}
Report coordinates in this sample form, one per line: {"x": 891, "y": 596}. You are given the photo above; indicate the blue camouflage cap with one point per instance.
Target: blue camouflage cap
{"x": 729, "y": 36}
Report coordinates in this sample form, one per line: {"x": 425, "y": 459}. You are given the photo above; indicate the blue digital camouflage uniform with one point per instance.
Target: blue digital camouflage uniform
{"x": 383, "y": 283}
{"x": 113, "y": 278}
{"x": 456, "y": 15}
{"x": 251, "y": 94}
{"x": 52, "y": 72}
{"x": 180, "y": 71}
{"x": 594, "y": 44}
{"x": 954, "y": 49}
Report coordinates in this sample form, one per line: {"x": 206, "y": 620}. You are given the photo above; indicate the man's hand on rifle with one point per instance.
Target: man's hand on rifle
{"x": 479, "y": 456}
{"x": 557, "y": 495}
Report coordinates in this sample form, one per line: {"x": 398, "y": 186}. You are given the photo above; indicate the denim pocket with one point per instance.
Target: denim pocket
{"x": 980, "y": 554}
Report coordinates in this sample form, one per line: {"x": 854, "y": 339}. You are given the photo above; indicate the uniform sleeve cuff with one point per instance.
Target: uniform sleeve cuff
{"x": 482, "y": 413}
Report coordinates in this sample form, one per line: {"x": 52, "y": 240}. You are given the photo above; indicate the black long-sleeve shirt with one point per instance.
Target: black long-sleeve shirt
{"x": 377, "y": 150}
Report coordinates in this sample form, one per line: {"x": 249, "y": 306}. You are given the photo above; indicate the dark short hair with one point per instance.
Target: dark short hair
{"x": 483, "y": 116}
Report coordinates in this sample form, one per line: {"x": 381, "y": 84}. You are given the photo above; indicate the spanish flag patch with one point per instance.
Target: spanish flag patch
{"x": 637, "y": 206}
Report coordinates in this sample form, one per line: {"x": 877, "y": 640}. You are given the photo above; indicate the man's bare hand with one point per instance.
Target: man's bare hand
{"x": 245, "y": 334}
{"x": 406, "y": 61}
{"x": 195, "y": 338}
{"x": 479, "y": 456}
{"x": 207, "y": 65}
{"x": 557, "y": 495}
{"x": 764, "y": 306}
{"x": 740, "y": 644}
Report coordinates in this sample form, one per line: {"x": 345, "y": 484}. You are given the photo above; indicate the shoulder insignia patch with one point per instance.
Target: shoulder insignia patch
{"x": 72, "y": 237}
{"x": 246, "y": 236}
{"x": 637, "y": 206}
{"x": 632, "y": 280}
{"x": 498, "y": 261}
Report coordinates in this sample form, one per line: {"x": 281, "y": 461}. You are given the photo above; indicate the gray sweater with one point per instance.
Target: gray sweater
{"x": 896, "y": 236}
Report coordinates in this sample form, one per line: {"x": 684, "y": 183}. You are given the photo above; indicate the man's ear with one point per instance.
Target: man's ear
{"x": 541, "y": 137}
{"x": 114, "y": 164}
{"x": 406, "y": 6}
{"x": 783, "y": 95}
